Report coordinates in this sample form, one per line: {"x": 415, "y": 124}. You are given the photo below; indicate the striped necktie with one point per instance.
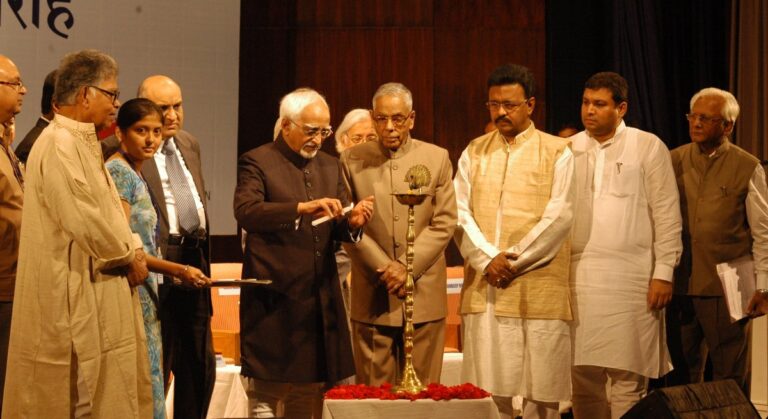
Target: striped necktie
{"x": 186, "y": 210}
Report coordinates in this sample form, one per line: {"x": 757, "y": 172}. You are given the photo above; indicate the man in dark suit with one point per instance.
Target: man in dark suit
{"x": 175, "y": 181}
{"x": 294, "y": 336}
{"x": 46, "y": 110}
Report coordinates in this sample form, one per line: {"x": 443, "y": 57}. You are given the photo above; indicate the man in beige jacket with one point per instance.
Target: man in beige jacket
{"x": 378, "y": 260}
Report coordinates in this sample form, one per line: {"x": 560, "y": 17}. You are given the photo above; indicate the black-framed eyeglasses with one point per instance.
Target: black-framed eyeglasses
{"x": 312, "y": 132}
{"x": 16, "y": 85}
{"x": 112, "y": 95}
{"x": 707, "y": 120}
{"x": 507, "y": 105}
{"x": 398, "y": 120}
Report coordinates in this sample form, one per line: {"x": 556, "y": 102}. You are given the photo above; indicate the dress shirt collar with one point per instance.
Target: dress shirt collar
{"x": 289, "y": 154}
{"x": 400, "y": 152}
{"x": 162, "y": 144}
{"x": 617, "y": 135}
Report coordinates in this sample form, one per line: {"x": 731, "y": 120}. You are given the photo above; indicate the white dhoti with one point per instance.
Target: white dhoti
{"x": 511, "y": 356}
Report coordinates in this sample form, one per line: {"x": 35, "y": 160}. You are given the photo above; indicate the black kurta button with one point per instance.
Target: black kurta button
{"x": 317, "y": 239}
{"x": 309, "y": 184}
{"x": 317, "y": 253}
{"x": 306, "y": 172}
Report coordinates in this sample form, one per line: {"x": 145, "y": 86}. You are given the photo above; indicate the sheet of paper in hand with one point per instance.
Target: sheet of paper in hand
{"x": 738, "y": 280}
{"x": 344, "y": 211}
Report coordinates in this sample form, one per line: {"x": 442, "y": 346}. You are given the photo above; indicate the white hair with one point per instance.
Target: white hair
{"x": 278, "y": 128}
{"x": 394, "y": 89}
{"x": 351, "y": 119}
{"x": 293, "y": 103}
{"x": 731, "y": 109}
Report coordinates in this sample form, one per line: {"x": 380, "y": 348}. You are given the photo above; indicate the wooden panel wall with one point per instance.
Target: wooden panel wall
{"x": 443, "y": 50}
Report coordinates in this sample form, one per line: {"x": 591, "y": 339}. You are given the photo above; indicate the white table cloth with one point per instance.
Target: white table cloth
{"x": 405, "y": 409}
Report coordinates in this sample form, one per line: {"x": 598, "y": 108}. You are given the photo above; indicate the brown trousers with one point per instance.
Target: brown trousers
{"x": 701, "y": 326}
{"x": 379, "y": 355}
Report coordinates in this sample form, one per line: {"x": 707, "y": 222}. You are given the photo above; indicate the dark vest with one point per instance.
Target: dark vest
{"x": 713, "y": 193}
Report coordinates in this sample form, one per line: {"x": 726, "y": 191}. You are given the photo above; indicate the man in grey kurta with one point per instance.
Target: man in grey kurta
{"x": 294, "y": 336}
{"x": 723, "y": 199}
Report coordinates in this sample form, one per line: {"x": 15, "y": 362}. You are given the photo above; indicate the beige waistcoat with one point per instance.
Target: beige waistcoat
{"x": 542, "y": 293}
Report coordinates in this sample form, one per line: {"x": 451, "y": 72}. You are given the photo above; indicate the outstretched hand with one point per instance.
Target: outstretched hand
{"x": 361, "y": 213}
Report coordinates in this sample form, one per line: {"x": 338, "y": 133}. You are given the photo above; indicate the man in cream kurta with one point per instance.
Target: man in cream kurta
{"x": 514, "y": 193}
{"x": 626, "y": 242}
{"x": 77, "y": 337}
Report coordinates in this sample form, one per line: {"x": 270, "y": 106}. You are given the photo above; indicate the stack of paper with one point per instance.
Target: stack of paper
{"x": 738, "y": 279}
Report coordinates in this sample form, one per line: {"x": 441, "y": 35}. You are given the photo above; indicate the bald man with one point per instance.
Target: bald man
{"x": 12, "y": 93}
{"x": 175, "y": 182}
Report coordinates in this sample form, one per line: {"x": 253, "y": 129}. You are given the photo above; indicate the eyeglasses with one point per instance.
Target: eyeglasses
{"x": 359, "y": 139}
{"x": 16, "y": 85}
{"x": 398, "y": 121}
{"x": 707, "y": 120}
{"x": 311, "y": 132}
{"x": 508, "y": 106}
{"x": 112, "y": 95}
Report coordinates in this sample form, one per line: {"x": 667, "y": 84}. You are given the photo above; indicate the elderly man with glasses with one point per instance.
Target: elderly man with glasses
{"x": 378, "y": 260}
{"x": 294, "y": 337}
{"x": 77, "y": 336}
{"x": 725, "y": 221}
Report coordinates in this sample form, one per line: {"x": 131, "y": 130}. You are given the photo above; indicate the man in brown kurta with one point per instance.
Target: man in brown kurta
{"x": 12, "y": 92}
{"x": 725, "y": 218}
{"x": 378, "y": 260}
{"x": 77, "y": 336}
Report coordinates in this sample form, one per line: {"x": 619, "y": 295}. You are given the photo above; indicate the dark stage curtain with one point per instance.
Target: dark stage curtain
{"x": 667, "y": 51}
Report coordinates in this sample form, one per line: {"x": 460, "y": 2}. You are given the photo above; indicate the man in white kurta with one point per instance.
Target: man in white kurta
{"x": 77, "y": 336}
{"x": 514, "y": 195}
{"x": 626, "y": 242}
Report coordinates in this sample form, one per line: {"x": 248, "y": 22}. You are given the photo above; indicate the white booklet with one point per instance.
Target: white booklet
{"x": 738, "y": 280}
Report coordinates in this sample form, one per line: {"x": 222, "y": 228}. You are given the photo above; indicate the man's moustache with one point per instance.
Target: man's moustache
{"x": 502, "y": 118}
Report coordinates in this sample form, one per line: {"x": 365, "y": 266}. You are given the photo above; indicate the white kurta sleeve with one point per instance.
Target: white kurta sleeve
{"x": 542, "y": 243}
{"x": 757, "y": 216}
{"x": 664, "y": 204}
{"x": 473, "y": 245}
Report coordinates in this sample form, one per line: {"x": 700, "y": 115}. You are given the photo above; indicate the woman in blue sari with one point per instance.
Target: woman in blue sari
{"x": 139, "y": 127}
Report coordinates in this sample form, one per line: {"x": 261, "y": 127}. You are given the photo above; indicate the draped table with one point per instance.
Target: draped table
{"x": 406, "y": 409}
